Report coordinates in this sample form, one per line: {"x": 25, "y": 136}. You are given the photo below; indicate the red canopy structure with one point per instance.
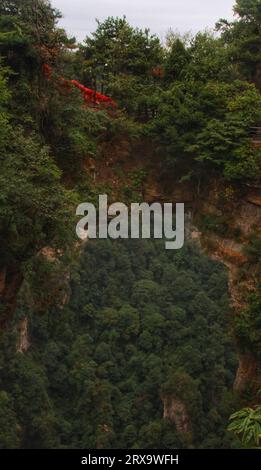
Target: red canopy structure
{"x": 93, "y": 96}
{"x": 90, "y": 96}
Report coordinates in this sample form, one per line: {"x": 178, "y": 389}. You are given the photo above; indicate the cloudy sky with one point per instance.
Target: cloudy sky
{"x": 158, "y": 15}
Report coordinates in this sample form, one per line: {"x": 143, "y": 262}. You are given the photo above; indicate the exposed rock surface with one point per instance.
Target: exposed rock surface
{"x": 248, "y": 372}
{"x": 118, "y": 166}
{"x": 23, "y": 341}
{"x": 176, "y": 412}
{"x": 238, "y": 209}
{"x": 244, "y": 214}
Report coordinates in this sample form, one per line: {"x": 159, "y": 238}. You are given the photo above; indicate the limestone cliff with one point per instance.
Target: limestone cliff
{"x": 176, "y": 412}
{"x": 222, "y": 218}
{"x": 23, "y": 343}
{"x": 242, "y": 216}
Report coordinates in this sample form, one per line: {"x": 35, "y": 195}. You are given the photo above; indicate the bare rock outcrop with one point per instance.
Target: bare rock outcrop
{"x": 175, "y": 411}
{"x": 23, "y": 341}
{"x": 248, "y": 372}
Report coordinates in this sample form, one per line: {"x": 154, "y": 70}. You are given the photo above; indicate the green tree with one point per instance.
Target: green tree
{"x": 248, "y": 324}
{"x": 176, "y": 61}
{"x": 244, "y": 39}
{"x": 206, "y": 127}
{"x": 120, "y": 48}
{"x": 10, "y": 431}
{"x": 246, "y": 424}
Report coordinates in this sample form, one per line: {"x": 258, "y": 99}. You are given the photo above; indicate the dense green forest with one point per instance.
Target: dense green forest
{"x": 142, "y": 326}
{"x": 143, "y": 323}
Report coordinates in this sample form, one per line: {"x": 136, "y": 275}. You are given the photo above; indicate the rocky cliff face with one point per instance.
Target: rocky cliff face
{"x": 248, "y": 372}
{"x": 220, "y": 217}
{"x": 23, "y": 343}
{"x": 176, "y": 412}
{"x": 222, "y": 220}
{"x": 243, "y": 221}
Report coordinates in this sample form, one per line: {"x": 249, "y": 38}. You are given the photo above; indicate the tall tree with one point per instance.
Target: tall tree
{"x": 244, "y": 37}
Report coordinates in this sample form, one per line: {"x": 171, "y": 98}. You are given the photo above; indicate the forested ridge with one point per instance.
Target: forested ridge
{"x": 143, "y": 326}
{"x": 106, "y": 346}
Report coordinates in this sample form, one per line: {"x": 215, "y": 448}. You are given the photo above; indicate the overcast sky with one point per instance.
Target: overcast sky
{"x": 158, "y": 15}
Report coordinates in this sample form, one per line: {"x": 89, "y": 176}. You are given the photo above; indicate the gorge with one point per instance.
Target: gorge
{"x": 121, "y": 343}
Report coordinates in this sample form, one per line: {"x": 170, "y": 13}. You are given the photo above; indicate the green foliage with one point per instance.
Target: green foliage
{"x": 73, "y": 131}
{"x": 206, "y": 126}
{"x": 209, "y": 60}
{"x": 34, "y": 209}
{"x": 243, "y": 38}
{"x": 45, "y": 134}
{"x": 9, "y": 429}
{"x": 142, "y": 323}
{"x": 176, "y": 60}
{"x": 248, "y": 324}
{"x": 123, "y": 62}
{"x": 122, "y": 49}
{"x": 246, "y": 424}
{"x": 4, "y": 117}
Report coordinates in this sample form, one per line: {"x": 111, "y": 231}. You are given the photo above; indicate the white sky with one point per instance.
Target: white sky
{"x": 158, "y": 15}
